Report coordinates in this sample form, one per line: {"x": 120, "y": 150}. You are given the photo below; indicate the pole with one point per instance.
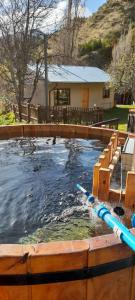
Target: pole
{"x": 46, "y": 69}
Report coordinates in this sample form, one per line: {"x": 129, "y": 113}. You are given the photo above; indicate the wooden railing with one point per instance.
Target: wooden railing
{"x": 102, "y": 173}
{"x": 111, "y": 123}
{"x": 59, "y": 114}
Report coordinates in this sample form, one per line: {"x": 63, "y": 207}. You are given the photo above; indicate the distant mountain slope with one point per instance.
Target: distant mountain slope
{"x": 98, "y": 34}
{"x": 114, "y": 16}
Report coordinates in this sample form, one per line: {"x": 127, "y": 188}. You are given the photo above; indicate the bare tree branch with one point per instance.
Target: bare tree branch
{"x": 18, "y": 18}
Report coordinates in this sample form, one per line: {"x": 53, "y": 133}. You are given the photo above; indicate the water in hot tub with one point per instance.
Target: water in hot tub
{"x": 38, "y": 196}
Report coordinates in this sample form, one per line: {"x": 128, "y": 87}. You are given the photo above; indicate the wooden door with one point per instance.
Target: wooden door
{"x": 85, "y": 97}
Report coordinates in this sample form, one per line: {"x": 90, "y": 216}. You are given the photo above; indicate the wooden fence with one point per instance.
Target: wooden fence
{"x": 59, "y": 114}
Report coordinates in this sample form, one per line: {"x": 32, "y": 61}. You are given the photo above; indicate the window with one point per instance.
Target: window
{"x": 62, "y": 97}
{"x": 106, "y": 93}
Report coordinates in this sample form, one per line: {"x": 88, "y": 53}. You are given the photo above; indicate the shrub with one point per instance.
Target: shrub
{"x": 111, "y": 38}
{"x": 7, "y": 119}
{"x": 92, "y": 45}
{"x": 5, "y": 105}
{"x": 102, "y": 45}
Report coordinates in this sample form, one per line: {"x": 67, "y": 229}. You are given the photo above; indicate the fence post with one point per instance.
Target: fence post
{"x": 64, "y": 111}
{"x": 107, "y": 157}
{"x": 39, "y": 120}
{"x": 104, "y": 184}
{"x": 130, "y": 190}
{"x": 46, "y": 114}
{"x": 101, "y": 115}
{"x": 113, "y": 143}
{"x": 116, "y": 139}
{"x": 98, "y": 116}
{"x": 95, "y": 185}
{"x": 102, "y": 161}
{"x": 110, "y": 147}
{"x": 28, "y": 112}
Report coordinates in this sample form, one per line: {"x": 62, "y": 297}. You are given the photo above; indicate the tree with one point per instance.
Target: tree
{"x": 72, "y": 26}
{"x": 18, "y": 19}
{"x": 65, "y": 40}
{"x": 123, "y": 64}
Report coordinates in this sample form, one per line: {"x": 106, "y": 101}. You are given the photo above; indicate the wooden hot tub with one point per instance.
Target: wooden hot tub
{"x": 94, "y": 269}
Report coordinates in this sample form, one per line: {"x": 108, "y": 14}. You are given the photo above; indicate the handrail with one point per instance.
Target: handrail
{"x": 110, "y": 121}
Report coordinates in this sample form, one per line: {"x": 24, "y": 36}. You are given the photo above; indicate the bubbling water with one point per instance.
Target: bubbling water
{"x": 38, "y": 178}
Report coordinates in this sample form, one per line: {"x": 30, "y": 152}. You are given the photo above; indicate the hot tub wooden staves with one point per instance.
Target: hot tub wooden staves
{"x": 101, "y": 268}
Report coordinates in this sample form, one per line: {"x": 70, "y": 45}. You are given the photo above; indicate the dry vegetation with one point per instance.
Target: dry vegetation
{"x": 107, "y": 24}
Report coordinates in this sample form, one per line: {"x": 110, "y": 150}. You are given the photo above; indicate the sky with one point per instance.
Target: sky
{"x": 93, "y": 5}
{"x": 58, "y": 13}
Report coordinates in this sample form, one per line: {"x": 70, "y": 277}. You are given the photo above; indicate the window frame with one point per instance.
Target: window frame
{"x": 57, "y": 97}
{"x": 106, "y": 93}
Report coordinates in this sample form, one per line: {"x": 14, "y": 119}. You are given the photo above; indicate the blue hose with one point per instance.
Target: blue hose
{"x": 103, "y": 213}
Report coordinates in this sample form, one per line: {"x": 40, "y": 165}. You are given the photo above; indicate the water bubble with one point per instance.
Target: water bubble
{"x": 29, "y": 195}
{"x": 61, "y": 194}
{"x": 72, "y": 196}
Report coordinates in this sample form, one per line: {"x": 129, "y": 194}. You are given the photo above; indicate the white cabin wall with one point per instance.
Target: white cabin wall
{"x": 76, "y": 92}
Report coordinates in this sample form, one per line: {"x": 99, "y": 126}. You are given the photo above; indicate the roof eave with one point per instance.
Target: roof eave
{"x": 75, "y": 82}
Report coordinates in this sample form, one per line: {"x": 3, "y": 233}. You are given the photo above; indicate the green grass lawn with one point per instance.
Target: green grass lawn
{"x": 121, "y": 112}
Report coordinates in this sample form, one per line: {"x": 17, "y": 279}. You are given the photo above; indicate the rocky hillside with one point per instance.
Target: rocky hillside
{"x": 98, "y": 33}
{"x": 113, "y": 17}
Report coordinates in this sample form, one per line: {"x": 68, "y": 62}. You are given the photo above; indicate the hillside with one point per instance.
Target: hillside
{"x": 98, "y": 33}
{"x": 114, "y": 16}
{"x": 105, "y": 26}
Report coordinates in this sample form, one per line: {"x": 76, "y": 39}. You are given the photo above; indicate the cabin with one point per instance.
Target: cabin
{"x": 74, "y": 86}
